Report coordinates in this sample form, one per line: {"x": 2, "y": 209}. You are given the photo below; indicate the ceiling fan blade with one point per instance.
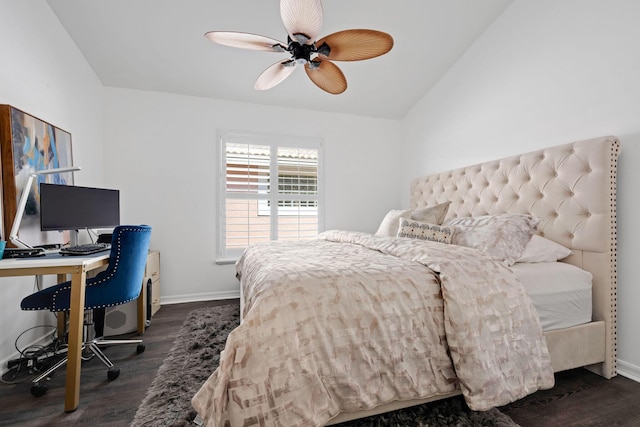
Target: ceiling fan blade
{"x": 245, "y": 41}
{"x": 326, "y": 75}
{"x": 356, "y": 45}
{"x": 302, "y": 19}
{"x": 275, "y": 74}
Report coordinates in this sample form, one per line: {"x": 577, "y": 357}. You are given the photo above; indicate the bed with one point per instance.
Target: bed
{"x": 283, "y": 366}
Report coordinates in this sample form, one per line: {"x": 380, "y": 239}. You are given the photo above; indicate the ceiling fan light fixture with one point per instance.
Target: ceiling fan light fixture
{"x": 314, "y": 65}
{"x": 324, "y": 49}
{"x": 301, "y": 38}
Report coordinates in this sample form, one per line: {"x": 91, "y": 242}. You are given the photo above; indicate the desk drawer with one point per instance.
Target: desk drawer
{"x": 152, "y": 268}
{"x": 155, "y": 297}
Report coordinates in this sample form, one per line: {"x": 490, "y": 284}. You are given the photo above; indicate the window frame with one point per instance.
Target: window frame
{"x": 274, "y": 141}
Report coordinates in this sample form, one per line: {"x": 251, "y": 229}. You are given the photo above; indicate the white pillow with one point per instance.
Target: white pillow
{"x": 389, "y": 225}
{"x": 540, "y": 249}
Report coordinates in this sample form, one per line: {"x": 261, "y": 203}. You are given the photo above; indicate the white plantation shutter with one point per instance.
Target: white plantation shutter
{"x": 269, "y": 190}
{"x": 247, "y": 181}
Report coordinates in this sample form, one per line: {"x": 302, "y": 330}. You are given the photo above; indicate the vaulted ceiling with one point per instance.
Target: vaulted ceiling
{"x": 159, "y": 45}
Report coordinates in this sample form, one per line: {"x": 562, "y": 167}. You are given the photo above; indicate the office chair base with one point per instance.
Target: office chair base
{"x": 113, "y": 373}
{"x": 38, "y": 390}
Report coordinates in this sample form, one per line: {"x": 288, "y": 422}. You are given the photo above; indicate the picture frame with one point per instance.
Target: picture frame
{"x": 27, "y": 145}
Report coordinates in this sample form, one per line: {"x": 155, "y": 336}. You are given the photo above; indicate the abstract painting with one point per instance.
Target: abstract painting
{"x": 28, "y": 145}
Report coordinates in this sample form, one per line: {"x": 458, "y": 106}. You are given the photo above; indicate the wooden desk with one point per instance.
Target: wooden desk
{"x": 61, "y": 266}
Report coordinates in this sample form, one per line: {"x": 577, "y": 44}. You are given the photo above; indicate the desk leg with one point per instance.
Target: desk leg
{"x": 62, "y": 315}
{"x": 74, "y": 352}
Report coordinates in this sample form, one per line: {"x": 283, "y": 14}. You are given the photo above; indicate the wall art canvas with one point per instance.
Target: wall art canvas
{"x": 27, "y": 145}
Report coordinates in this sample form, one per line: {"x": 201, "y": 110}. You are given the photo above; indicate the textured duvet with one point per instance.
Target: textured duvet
{"x": 352, "y": 321}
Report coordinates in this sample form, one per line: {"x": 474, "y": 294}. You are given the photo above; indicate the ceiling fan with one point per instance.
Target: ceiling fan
{"x": 303, "y": 19}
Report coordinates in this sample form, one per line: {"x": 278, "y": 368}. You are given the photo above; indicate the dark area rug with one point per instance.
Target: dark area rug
{"x": 196, "y": 353}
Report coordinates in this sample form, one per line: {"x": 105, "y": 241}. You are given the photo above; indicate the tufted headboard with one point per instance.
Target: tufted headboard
{"x": 571, "y": 188}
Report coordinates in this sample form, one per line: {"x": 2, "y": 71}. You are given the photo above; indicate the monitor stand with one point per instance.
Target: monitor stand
{"x": 73, "y": 237}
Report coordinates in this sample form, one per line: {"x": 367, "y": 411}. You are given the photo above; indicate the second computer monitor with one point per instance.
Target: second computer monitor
{"x": 70, "y": 207}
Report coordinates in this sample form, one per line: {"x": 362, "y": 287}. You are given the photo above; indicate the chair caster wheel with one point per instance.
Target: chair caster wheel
{"x": 38, "y": 390}
{"x": 113, "y": 373}
{"x": 140, "y": 348}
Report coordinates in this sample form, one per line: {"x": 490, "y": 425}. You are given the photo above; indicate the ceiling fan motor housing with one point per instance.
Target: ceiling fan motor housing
{"x": 301, "y": 52}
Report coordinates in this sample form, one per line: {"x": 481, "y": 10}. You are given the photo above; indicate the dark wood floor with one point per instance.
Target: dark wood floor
{"x": 579, "y": 398}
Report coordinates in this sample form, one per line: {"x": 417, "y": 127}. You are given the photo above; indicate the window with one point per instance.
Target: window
{"x": 270, "y": 190}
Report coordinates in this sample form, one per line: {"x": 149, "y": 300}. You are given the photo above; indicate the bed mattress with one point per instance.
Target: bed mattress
{"x": 561, "y": 292}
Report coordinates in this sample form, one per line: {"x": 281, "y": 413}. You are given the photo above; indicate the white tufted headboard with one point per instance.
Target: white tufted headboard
{"x": 571, "y": 188}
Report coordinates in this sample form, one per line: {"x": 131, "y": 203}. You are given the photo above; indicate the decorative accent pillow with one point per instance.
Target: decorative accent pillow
{"x": 433, "y": 214}
{"x": 541, "y": 249}
{"x": 503, "y": 236}
{"x": 425, "y": 231}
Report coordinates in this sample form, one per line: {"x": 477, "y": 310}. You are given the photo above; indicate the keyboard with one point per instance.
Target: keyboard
{"x": 87, "y": 249}
{"x": 23, "y": 253}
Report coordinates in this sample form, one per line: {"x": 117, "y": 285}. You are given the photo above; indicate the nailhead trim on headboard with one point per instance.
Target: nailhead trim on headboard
{"x": 615, "y": 151}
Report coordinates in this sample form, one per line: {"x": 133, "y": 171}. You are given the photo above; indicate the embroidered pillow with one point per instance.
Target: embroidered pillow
{"x": 540, "y": 249}
{"x": 433, "y": 214}
{"x": 503, "y": 236}
{"x": 425, "y": 231}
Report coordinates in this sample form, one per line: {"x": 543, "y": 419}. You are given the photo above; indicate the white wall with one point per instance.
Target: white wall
{"x": 546, "y": 72}
{"x": 162, "y": 152}
{"x": 44, "y": 74}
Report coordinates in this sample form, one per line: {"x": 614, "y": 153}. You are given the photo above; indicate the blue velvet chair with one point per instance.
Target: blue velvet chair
{"x": 121, "y": 282}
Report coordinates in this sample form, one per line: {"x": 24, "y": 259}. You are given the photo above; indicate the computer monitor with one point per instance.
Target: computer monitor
{"x": 70, "y": 207}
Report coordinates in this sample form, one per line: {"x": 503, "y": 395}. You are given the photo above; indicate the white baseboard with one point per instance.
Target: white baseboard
{"x": 628, "y": 370}
{"x": 208, "y": 296}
